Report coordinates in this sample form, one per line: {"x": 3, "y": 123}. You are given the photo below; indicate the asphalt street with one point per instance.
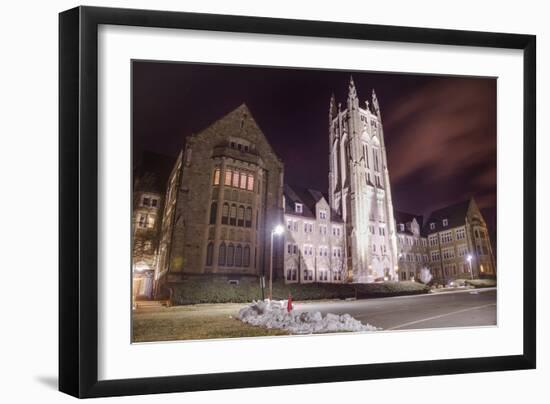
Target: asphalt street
{"x": 469, "y": 308}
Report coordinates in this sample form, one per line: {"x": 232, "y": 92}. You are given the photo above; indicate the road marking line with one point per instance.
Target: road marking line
{"x": 440, "y": 316}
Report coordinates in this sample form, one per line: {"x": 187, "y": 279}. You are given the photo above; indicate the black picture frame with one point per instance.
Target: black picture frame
{"x": 78, "y": 206}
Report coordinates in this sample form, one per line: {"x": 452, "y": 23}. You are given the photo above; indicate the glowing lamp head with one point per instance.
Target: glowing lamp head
{"x": 469, "y": 258}
{"x": 278, "y": 230}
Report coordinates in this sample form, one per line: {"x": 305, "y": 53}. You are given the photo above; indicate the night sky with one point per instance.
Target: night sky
{"x": 440, "y": 131}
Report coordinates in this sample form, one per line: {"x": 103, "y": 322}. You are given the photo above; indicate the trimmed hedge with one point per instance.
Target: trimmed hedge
{"x": 194, "y": 291}
{"x": 481, "y": 283}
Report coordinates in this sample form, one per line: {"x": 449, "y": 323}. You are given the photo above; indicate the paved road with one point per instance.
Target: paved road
{"x": 450, "y": 309}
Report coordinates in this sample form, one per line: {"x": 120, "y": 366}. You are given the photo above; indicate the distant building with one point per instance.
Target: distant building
{"x": 223, "y": 196}
{"x": 412, "y": 246}
{"x": 148, "y": 199}
{"x": 314, "y": 249}
{"x": 458, "y": 242}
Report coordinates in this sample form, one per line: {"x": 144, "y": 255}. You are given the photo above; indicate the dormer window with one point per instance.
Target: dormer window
{"x": 299, "y": 208}
{"x": 401, "y": 227}
{"x": 445, "y": 222}
{"x": 432, "y": 226}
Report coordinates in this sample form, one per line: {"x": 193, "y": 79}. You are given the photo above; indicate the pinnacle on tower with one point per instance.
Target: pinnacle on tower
{"x": 332, "y": 107}
{"x": 375, "y": 102}
{"x": 352, "y": 90}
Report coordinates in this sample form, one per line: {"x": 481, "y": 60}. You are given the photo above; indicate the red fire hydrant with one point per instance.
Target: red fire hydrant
{"x": 289, "y": 303}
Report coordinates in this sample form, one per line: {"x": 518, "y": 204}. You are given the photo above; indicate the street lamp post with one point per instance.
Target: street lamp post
{"x": 277, "y": 231}
{"x": 469, "y": 258}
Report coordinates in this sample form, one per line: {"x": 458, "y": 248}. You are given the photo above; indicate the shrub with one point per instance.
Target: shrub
{"x": 194, "y": 291}
{"x": 481, "y": 283}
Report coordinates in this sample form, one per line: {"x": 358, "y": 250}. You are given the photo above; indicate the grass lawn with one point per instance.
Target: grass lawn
{"x": 201, "y": 321}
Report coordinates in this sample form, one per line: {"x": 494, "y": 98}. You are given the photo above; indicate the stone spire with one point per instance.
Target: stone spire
{"x": 375, "y": 103}
{"x": 352, "y": 92}
{"x": 353, "y": 101}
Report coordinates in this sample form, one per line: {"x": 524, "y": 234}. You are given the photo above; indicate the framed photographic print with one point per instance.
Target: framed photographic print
{"x": 251, "y": 201}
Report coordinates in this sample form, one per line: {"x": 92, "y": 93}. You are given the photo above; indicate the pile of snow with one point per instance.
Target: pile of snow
{"x": 274, "y": 314}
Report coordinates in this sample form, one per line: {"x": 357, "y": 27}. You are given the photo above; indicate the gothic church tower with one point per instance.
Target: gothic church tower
{"x": 359, "y": 188}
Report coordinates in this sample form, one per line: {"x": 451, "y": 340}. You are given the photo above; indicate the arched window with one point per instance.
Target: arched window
{"x": 238, "y": 256}
{"x": 240, "y": 216}
{"x": 246, "y": 256}
{"x": 209, "y": 254}
{"x": 233, "y": 215}
{"x": 230, "y": 255}
{"x": 225, "y": 213}
{"x": 248, "y": 217}
{"x": 221, "y": 255}
{"x": 213, "y": 212}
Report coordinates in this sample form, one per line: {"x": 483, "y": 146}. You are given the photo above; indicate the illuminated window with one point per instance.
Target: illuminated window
{"x": 250, "y": 185}
{"x": 243, "y": 181}
{"x": 228, "y": 175}
{"x": 236, "y": 179}
{"x": 217, "y": 176}
{"x": 150, "y": 221}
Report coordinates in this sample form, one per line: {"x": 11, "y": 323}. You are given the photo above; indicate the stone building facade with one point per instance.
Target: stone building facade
{"x": 314, "y": 242}
{"x": 148, "y": 203}
{"x": 224, "y": 194}
{"x": 458, "y": 242}
{"x": 359, "y": 188}
{"x": 214, "y": 217}
{"x": 411, "y": 244}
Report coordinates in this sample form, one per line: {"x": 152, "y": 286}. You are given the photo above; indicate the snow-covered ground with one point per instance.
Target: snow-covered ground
{"x": 273, "y": 314}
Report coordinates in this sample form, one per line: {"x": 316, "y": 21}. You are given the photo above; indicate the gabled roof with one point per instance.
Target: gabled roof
{"x": 455, "y": 214}
{"x": 406, "y": 218}
{"x": 403, "y": 217}
{"x": 308, "y": 198}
